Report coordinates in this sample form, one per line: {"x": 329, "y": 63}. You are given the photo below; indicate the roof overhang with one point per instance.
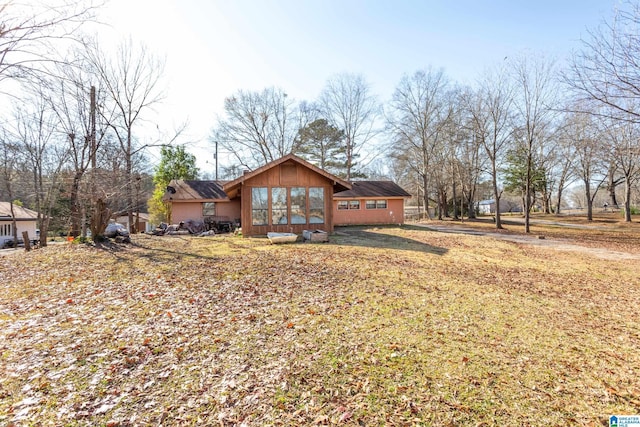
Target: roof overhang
{"x": 232, "y": 187}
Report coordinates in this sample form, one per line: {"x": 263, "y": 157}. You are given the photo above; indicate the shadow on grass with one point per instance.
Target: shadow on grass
{"x": 166, "y": 254}
{"x": 375, "y": 237}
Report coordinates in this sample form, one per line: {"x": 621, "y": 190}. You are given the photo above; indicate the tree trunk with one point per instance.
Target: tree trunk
{"x": 627, "y": 199}
{"x": 496, "y": 196}
{"x": 14, "y": 223}
{"x": 75, "y": 205}
{"x": 99, "y": 219}
{"x": 558, "y": 200}
{"x": 611, "y": 188}
{"x": 426, "y": 195}
{"x": 587, "y": 193}
{"x": 455, "y": 201}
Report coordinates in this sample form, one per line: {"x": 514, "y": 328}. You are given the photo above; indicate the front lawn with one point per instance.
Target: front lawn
{"x": 381, "y": 326}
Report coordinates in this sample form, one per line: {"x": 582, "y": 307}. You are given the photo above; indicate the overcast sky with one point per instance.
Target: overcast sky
{"x": 215, "y": 47}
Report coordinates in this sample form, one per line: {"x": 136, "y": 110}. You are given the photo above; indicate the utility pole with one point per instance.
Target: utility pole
{"x": 215, "y": 157}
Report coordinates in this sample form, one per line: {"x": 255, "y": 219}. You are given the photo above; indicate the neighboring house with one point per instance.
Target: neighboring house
{"x": 200, "y": 200}
{"x": 26, "y": 220}
{"x": 370, "y": 202}
{"x": 488, "y": 207}
{"x": 142, "y": 218}
{"x": 286, "y": 195}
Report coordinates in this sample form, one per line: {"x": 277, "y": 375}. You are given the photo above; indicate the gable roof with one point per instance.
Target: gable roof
{"x": 338, "y": 183}
{"x": 373, "y": 189}
{"x": 182, "y": 189}
{"x": 20, "y": 212}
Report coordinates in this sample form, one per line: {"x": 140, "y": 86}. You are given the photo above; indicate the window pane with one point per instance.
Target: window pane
{"x": 298, "y": 205}
{"x": 208, "y": 209}
{"x": 316, "y": 205}
{"x": 342, "y": 205}
{"x": 279, "y": 206}
{"x": 370, "y": 204}
{"x": 381, "y": 204}
{"x": 354, "y": 204}
{"x": 259, "y": 205}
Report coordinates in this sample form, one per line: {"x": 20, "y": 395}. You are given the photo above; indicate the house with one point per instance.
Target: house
{"x": 286, "y": 195}
{"x": 142, "y": 219}
{"x": 507, "y": 205}
{"x": 26, "y": 220}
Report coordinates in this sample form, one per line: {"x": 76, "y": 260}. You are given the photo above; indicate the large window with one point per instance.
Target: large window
{"x": 5, "y": 230}
{"x": 316, "y": 205}
{"x": 279, "y": 206}
{"x": 208, "y": 209}
{"x": 298, "y": 205}
{"x": 259, "y": 205}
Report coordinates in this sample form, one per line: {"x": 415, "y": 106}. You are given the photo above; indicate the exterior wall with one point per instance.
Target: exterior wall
{"x": 287, "y": 175}
{"x": 142, "y": 225}
{"x": 183, "y": 211}
{"x": 393, "y": 214}
{"x": 28, "y": 226}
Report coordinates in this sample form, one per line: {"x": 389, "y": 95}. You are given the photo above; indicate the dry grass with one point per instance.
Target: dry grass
{"x": 386, "y": 326}
{"x": 606, "y": 230}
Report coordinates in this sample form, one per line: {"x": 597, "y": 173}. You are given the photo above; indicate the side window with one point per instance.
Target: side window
{"x": 208, "y": 209}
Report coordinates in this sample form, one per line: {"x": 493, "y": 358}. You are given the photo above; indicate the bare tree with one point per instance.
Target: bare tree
{"x": 471, "y": 159}
{"x": 44, "y": 156}
{"x": 535, "y": 106}
{"x": 28, "y": 31}
{"x": 73, "y": 100}
{"x": 416, "y": 120}
{"x": 606, "y": 70}
{"x": 624, "y": 151}
{"x": 346, "y": 101}
{"x": 258, "y": 127}
{"x": 588, "y": 151}
{"x": 131, "y": 82}
{"x": 564, "y": 162}
{"x": 491, "y": 120}
{"x": 9, "y": 158}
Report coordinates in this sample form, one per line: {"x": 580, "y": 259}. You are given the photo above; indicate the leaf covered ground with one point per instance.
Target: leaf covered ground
{"x": 381, "y": 326}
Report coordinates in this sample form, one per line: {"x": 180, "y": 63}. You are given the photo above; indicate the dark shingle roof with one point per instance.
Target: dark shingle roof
{"x": 195, "y": 190}
{"x": 373, "y": 189}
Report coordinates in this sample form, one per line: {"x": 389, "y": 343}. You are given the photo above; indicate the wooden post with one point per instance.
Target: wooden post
{"x": 25, "y": 238}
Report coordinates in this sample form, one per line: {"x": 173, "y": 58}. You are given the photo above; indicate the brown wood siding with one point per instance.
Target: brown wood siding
{"x": 289, "y": 174}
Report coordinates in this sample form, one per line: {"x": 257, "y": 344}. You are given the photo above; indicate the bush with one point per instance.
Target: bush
{"x": 633, "y": 209}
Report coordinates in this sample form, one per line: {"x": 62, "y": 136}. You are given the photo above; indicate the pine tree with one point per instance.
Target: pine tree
{"x": 322, "y": 144}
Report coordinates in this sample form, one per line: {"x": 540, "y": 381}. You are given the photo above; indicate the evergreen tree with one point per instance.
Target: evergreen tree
{"x": 515, "y": 175}
{"x": 175, "y": 163}
{"x": 322, "y": 144}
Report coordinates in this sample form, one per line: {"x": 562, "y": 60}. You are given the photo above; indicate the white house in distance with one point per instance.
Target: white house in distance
{"x": 26, "y": 220}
